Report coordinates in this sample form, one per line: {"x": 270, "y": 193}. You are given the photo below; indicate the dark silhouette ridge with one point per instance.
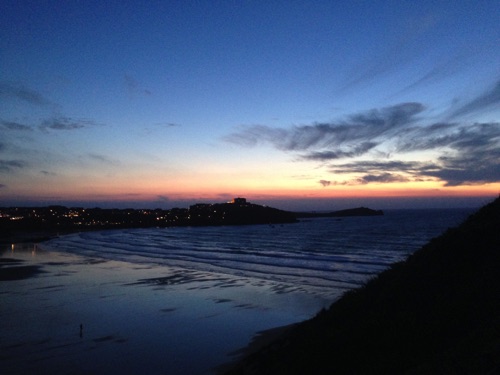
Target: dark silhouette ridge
{"x": 436, "y": 312}
{"x": 34, "y": 224}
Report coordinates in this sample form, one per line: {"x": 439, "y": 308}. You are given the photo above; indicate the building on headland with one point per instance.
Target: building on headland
{"x": 239, "y": 201}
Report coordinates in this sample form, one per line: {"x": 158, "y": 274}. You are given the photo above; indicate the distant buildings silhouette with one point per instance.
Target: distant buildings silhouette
{"x": 238, "y": 211}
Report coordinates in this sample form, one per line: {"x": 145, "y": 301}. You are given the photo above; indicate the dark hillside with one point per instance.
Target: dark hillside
{"x": 437, "y": 312}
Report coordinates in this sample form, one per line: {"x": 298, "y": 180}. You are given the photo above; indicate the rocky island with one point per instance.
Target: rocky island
{"x": 360, "y": 211}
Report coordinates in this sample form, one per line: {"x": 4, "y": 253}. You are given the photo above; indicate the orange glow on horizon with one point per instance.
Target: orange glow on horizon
{"x": 361, "y": 191}
{"x": 213, "y": 187}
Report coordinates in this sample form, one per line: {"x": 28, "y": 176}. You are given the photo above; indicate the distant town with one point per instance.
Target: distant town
{"x": 238, "y": 211}
{"x": 69, "y": 219}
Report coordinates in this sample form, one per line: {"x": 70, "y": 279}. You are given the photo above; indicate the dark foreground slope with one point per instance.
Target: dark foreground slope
{"x": 437, "y": 312}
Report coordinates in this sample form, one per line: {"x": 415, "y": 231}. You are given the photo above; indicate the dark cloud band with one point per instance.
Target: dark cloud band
{"x": 466, "y": 153}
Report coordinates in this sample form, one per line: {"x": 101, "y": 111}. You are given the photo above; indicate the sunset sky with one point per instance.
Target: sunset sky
{"x": 295, "y": 104}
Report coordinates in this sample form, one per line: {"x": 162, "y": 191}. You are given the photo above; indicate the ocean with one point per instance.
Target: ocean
{"x": 323, "y": 256}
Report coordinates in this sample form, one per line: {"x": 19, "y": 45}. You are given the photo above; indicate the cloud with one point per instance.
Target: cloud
{"x": 382, "y": 178}
{"x": 468, "y": 155}
{"x": 167, "y": 124}
{"x": 358, "y": 134}
{"x": 460, "y": 153}
{"x": 462, "y": 138}
{"x": 371, "y": 166}
{"x": 101, "y": 158}
{"x": 485, "y": 101}
{"x": 65, "y": 123}
{"x": 325, "y": 183}
{"x": 15, "y": 126}
{"x": 480, "y": 167}
{"x": 2, "y": 186}
{"x": 9, "y": 90}
{"x": 372, "y": 171}
{"x": 355, "y": 150}
{"x": 47, "y": 173}
{"x": 7, "y": 166}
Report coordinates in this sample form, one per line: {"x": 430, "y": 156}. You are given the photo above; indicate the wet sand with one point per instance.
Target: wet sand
{"x": 63, "y": 313}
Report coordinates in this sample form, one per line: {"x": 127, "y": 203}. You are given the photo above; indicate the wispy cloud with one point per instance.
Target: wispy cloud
{"x": 48, "y": 173}
{"x": 352, "y": 137}
{"x": 167, "y": 124}
{"x": 382, "y": 178}
{"x": 468, "y": 155}
{"x": 8, "y": 166}
{"x": 16, "y": 91}
{"x": 480, "y": 167}
{"x": 464, "y": 153}
{"x": 101, "y": 158}
{"x": 65, "y": 123}
{"x": 484, "y": 101}
{"x": 375, "y": 166}
{"x": 355, "y": 150}
{"x": 15, "y": 126}
{"x": 389, "y": 57}
{"x": 442, "y": 70}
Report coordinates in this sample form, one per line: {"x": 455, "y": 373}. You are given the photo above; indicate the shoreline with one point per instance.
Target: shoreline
{"x": 134, "y": 317}
{"x": 34, "y": 237}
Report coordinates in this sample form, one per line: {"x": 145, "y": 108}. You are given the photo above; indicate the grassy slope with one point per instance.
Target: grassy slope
{"x": 437, "y": 312}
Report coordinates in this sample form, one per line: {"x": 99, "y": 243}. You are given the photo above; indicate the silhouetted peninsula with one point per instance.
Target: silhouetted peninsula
{"x": 437, "y": 312}
{"x": 360, "y": 211}
{"x": 18, "y": 224}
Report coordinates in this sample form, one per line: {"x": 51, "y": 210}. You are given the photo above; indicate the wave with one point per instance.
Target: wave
{"x": 316, "y": 254}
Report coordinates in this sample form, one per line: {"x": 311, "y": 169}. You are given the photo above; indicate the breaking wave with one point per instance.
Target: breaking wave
{"x": 315, "y": 254}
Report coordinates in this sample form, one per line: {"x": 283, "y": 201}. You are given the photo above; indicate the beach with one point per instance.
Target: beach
{"x": 184, "y": 300}
{"x": 65, "y": 313}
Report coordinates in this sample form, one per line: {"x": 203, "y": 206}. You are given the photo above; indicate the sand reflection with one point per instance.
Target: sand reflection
{"x": 62, "y": 312}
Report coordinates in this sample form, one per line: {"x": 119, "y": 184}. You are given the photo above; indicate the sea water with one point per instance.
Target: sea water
{"x": 318, "y": 255}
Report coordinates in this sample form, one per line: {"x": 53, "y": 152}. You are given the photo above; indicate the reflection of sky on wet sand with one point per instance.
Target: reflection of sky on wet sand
{"x": 136, "y": 318}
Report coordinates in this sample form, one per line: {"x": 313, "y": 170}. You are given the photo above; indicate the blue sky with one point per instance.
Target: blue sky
{"x": 170, "y": 102}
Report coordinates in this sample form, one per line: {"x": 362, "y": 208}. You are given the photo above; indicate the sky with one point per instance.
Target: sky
{"x": 303, "y": 105}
